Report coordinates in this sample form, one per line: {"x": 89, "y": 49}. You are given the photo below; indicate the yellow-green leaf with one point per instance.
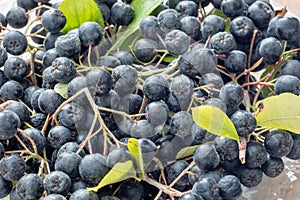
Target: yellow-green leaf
{"x": 281, "y": 111}
{"x": 61, "y": 89}
{"x": 80, "y": 11}
{"x": 215, "y": 121}
{"x": 120, "y": 172}
{"x": 187, "y": 151}
{"x": 142, "y": 8}
{"x": 136, "y": 152}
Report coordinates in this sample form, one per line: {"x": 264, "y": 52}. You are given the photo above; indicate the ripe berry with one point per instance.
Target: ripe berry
{"x": 244, "y": 122}
{"x": 30, "y": 186}
{"x": 206, "y": 157}
{"x": 53, "y": 20}
{"x": 121, "y": 13}
{"x": 278, "y": 143}
{"x": 15, "y": 42}
{"x": 90, "y": 33}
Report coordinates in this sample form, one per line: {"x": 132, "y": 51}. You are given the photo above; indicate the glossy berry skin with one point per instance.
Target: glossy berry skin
{"x": 156, "y": 87}
{"x": 83, "y": 194}
{"x": 145, "y": 49}
{"x": 125, "y": 57}
{"x": 232, "y": 8}
{"x": 227, "y": 148}
{"x": 173, "y": 171}
{"x": 49, "y": 101}
{"x": 70, "y": 147}
{"x": 108, "y": 61}
{"x": 261, "y": 13}
{"x": 273, "y": 167}
{"x": 287, "y": 83}
{"x": 15, "y": 68}
{"x": 236, "y": 62}
{"x": 256, "y": 154}
{"x": 3, "y": 56}
{"x": 213, "y": 81}
{"x": 206, "y": 157}
{"x": 3, "y": 20}
{"x": 54, "y": 197}
{"x": 198, "y": 62}
{"x": 287, "y": 28}
{"x": 93, "y": 168}
{"x": 68, "y": 45}
{"x": 48, "y": 80}
{"x": 191, "y": 196}
{"x": 181, "y": 124}
{"x": 168, "y": 20}
{"x": 177, "y": 42}
{"x": 278, "y": 143}
{"x": 11, "y": 90}
{"x": 157, "y": 113}
{"x": 222, "y": 42}
{"x": 232, "y": 95}
{"x": 49, "y": 41}
{"x": 15, "y": 42}
{"x": 211, "y": 25}
{"x": 20, "y": 109}
{"x": 63, "y": 70}
{"x": 191, "y": 26}
{"x": 58, "y": 135}
{"x": 57, "y": 182}
{"x": 142, "y": 129}
{"x": 12, "y": 167}
{"x": 68, "y": 163}
{"x": 131, "y": 103}
{"x": 187, "y": 8}
{"x": 149, "y": 28}
{"x": 17, "y": 17}
{"x": 207, "y": 188}
{"x": 125, "y": 79}
{"x": 270, "y": 49}
{"x": 71, "y": 114}
{"x": 131, "y": 190}
{"x": 37, "y": 137}
{"x": 90, "y": 33}
{"x": 53, "y": 20}
{"x": 242, "y": 29}
{"x": 272, "y": 26}
{"x": 290, "y": 67}
{"x": 37, "y": 30}
{"x": 250, "y": 177}
{"x": 5, "y": 187}
{"x": 9, "y": 122}
{"x": 230, "y": 187}
{"x": 116, "y": 156}
{"x": 295, "y": 151}
{"x": 244, "y": 122}
{"x": 30, "y": 186}
{"x": 99, "y": 81}
{"x": 121, "y": 13}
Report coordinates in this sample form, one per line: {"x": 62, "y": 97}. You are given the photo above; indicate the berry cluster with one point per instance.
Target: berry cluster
{"x": 70, "y": 103}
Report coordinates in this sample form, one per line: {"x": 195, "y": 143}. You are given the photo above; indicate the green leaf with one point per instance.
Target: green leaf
{"x": 281, "y": 111}
{"x": 78, "y": 12}
{"x": 142, "y": 8}
{"x": 120, "y": 172}
{"x": 215, "y": 121}
{"x": 136, "y": 152}
{"x": 265, "y": 92}
{"x": 169, "y": 59}
{"x": 185, "y": 152}
{"x": 61, "y": 89}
